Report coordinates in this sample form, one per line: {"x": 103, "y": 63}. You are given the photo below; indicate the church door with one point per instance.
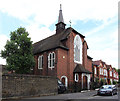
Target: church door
{"x": 84, "y": 82}
{"x": 63, "y": 81}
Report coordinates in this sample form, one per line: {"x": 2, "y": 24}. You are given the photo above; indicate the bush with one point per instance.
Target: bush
{"x": 110, "y": 82}
{"x": 114, "y": 82}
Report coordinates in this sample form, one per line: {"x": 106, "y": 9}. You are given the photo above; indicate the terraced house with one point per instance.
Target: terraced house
{"x": 64, "y": 55}
{"x": 105, "y": 72}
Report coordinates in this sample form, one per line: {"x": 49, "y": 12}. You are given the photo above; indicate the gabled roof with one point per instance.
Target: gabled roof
{"x": 98, "y": 62}
{"x": 86, "y": 43}
{"x": 54, "y": 41}
{"x": 81, "y": 69}
{"x": 89, "y": 57}
{"x": 108, "y": 66}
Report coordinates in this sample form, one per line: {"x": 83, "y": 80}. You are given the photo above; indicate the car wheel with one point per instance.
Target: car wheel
{"x": 112, "y": 94}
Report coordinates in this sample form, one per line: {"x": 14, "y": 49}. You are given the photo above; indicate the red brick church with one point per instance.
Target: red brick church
{"x": 64, "y": 55}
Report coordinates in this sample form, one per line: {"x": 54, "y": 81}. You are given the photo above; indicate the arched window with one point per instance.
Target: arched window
{"x": 51, "y": 60}
{"x": 76, "y": 77}
{"x": 95, "y": 71}
{"x": 77, "y": 49}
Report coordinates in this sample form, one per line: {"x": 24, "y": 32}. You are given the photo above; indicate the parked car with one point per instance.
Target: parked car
{"x": 107, "y": 90}
{"x": 61, "y": 87}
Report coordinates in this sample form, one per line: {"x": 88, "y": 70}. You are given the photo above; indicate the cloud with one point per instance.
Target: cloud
{"x": 38, "y": 33}
{"x": 102, "y": 26}
{"x": 46, "y": 11}
{"x": 110, "y": 56}
{"x": 3, "y": 39}
{"x": 105, "y": 49}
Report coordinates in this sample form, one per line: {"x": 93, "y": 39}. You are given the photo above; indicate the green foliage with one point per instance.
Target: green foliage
{"x": 18, "y": 52}
{"x": 114, "y": 82}
{"x": 118, "y": 71}
{"x": 110, "y": 82}
{"x": 101, "y": 82}
{"x": 95, "y": 84}
{"x": 119, "y": 78}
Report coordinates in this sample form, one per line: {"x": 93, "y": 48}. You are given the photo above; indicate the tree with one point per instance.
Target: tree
{"x": 18, "y": 52}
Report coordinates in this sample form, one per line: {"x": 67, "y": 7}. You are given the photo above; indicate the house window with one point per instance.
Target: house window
{"x": 95, "y": 71}
{"x": 105, "y": 72}
{"x": 40, "y": 62}
{"x": 114, "y": 75}
{"x": 76, "y": 77}
{"x": 101, "y": 71}
{"x": 51, "y": 60}
{"x": 77, "y": 49}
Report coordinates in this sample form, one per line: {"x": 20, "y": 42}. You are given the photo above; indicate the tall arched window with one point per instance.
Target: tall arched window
{"x": 77, "y": 49}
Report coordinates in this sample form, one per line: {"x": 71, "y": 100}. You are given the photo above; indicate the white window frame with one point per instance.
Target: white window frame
{"x": 40, "y": 62}
{"x": 51, "y": 61}
{"x": 95, "y": 71}
{"x": 76, "y": 77}
{"x": 111, "y": 73}
{"x": 114, "y": 75}
{"x": 106, "y": 73}
{"x": 102, "y": 71}
{"x": 77, "y": 36}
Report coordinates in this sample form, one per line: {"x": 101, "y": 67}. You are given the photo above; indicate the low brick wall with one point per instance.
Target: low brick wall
{"x": 28, "y": 85}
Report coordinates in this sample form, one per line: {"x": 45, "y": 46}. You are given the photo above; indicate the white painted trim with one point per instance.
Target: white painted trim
{"x": 88, "y": 80}
{"x": 40, "y": 61}
{"x": 51, "y": 53}
{"x": 66, "y": 80}
{"x": 76, "y": 74}
{"x": 79, "y": 62}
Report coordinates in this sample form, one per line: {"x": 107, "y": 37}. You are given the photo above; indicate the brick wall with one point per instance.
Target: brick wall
{"x": 28, "y": 85}
{"x": 45, "y": 71}
{"x": 62, "y": 64}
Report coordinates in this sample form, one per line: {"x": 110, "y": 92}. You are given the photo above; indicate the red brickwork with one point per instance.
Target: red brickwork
{"x": 64, "y": 61}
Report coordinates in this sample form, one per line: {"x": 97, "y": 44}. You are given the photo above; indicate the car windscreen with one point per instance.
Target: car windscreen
{"x": 106, "y": 87}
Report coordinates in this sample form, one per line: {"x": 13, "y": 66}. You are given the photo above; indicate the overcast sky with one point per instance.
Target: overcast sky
{"x": 97, "y": 20}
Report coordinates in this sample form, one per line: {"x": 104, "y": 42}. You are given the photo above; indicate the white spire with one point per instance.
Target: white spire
{"x": 60, "y": 19}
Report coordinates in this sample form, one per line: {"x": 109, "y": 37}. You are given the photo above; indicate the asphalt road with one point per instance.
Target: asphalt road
{"x": 81, "y": 96}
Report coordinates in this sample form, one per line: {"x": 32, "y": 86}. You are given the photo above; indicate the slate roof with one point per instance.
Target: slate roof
{"x": 89, "y": 57}
{"x": 54, "y": 41}
{"x": 98, "y": 62}
{"x": 81, "y": 69}
{"x": 60, "y": 19}
{"x": 108, "y": 66}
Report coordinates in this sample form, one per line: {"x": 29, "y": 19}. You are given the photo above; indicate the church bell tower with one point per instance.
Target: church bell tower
{"x": 60, "y": 26}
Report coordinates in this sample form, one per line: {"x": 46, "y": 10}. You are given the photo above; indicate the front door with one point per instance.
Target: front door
{"x": 63, "y": 81}
{"x": 84, "y": 82}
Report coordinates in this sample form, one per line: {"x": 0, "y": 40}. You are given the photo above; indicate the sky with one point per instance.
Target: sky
{"x": 97, "y": 20}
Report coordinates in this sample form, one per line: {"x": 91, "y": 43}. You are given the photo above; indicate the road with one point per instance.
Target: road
{"x": 81, "y": 96}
